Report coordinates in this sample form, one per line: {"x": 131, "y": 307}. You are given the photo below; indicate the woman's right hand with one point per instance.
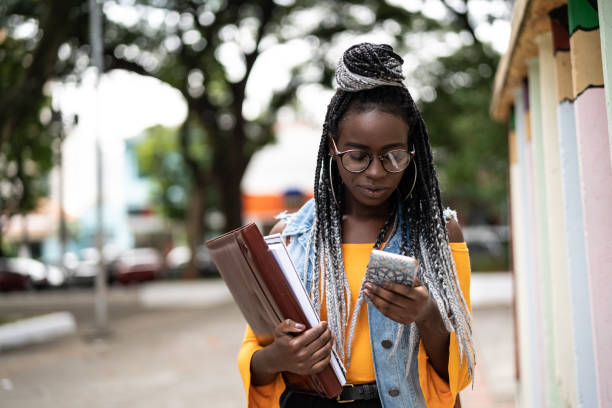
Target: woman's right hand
{"x": 294, "y": 349}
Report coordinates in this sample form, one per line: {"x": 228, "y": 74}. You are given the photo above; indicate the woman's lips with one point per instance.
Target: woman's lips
{"x": 373, "y": 192}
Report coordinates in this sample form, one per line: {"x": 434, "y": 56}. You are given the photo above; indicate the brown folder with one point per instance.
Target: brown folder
{"x": 264, "y": 297}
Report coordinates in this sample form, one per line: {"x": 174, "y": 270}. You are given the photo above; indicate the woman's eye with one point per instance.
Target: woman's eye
{"x": 357, "y": 155}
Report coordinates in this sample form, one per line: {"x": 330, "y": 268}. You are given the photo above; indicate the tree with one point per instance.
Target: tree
{"x": 159, "y": 159}
{"x": 471, "y": 148}
{"x": 160, "y": 156}
{"x": 31, "y": 34}
{"x": 185, "y": 43}
{"x": 187, "y": 49}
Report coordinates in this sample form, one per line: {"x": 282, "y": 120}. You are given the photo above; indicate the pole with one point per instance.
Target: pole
{"x": 101, "y": 301}
{"x": 63, "y": 231}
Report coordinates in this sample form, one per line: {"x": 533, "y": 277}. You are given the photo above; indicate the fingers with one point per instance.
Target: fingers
{"x": 399, "y": 288}
{"x": 319, "y": 343}
{"x": 392, "y": 311}
{"x": 295, "y": 336}
{"x": 312, "y": 335}
{"x": 323, "y": 351}
{"x": 324, "y": 362}
{"x": 288, "y": 326}
{"x": 393, "y": 293}
{"x": 321, "y": 357}
{"x": 307, "y": 351}
{"x": 401, "y": 303}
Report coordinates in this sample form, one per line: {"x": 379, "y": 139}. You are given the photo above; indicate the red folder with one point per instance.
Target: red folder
{"x": 264, "y": 297}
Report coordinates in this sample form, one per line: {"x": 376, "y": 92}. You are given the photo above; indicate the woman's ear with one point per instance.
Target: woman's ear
{"x": 330, "y": 146}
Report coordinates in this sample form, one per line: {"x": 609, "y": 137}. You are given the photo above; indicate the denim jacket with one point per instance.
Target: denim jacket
{"x": 396, "y": 390}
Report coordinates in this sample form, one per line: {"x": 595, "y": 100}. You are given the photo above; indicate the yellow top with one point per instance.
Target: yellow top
{"x": 437, "y": 392}
{"x": 361, "y": 367}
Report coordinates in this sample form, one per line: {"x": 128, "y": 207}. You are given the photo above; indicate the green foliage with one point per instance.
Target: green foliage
{"x": 185, "y": 49}
{"x": 181, "y": 43}
{"x": 159, "y": 160}
{"x": 471, "y": 149}
{"x": 31, "y": 33}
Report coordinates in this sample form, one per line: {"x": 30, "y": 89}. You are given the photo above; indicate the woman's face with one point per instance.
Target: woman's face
{"x": 375, "y": 132}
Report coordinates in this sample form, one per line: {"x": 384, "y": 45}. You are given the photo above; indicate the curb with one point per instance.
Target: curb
{"x": 491, "y": 289}
{"x": 37, "y": 329}
{"x": 183, "y": 295}
{"x": 154, "y": 295}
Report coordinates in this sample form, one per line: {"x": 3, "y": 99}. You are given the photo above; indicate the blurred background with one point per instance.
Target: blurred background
{"x": 133, "y": 131}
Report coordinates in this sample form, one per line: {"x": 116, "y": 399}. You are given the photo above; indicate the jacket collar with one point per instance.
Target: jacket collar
{"x": 302, "y": 221}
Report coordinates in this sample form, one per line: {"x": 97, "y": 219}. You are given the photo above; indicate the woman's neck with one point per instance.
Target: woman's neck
{"x": 362, "y": 224}
{"x": 358, "y": 211}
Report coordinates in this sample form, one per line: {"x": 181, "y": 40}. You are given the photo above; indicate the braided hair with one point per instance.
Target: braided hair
{"x": 369, "y": 76}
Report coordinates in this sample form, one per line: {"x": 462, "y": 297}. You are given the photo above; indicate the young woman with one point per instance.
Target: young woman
{"x": 375, "y": 187}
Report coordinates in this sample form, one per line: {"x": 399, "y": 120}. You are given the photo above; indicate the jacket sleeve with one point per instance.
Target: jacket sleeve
{"x": 437, "y": 392}
{"x": 263, "y": 396}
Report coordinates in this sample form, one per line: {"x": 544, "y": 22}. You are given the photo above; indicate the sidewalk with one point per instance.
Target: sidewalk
{"x": 60, "y": 323}
{"x": 493, "y": 331}
{"x": 156, "y": 307}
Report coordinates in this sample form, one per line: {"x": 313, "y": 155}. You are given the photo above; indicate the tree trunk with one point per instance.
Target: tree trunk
{"x": 231, "y": 199}
{"x": 194, "y": 226}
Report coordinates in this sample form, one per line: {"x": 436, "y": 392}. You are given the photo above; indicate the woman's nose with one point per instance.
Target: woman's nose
{"x": 376, "y": 169}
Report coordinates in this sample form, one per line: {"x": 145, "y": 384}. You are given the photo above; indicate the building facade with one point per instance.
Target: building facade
{"x": 553, "y": 89}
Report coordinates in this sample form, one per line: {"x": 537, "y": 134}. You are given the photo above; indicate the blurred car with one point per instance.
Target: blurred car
{"x": 28, "y": 273}
{"x": 11, "y": 279}
{"x": 85, "y": 268}
{"x": 489, "y": 247}
{"x": 137, "y": 265}
{"x": 178, "y": 258}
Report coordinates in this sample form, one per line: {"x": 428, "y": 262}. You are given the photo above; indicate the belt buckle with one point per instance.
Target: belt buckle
{"x": 344, "y": 401}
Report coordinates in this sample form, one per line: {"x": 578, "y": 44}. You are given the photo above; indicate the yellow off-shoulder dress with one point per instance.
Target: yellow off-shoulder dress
{"x": 437, "y": 392}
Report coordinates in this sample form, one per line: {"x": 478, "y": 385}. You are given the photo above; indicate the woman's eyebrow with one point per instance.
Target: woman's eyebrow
{"x": 365, "y": 147}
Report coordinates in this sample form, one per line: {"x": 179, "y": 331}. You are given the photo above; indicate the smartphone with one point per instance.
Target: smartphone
{"x": 392, "y": 267}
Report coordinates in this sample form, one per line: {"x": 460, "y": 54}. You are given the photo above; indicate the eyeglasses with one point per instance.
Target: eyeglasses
{"x": 358, "y": 161}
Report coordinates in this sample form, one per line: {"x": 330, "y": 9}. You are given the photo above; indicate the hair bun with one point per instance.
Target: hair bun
{"x": 365, "y": 66}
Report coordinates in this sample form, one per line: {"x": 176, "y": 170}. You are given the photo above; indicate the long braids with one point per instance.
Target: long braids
{"x": 369, "y": 77}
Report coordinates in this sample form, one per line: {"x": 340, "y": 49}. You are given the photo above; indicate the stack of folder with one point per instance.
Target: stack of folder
{"x": 264, "y": 283}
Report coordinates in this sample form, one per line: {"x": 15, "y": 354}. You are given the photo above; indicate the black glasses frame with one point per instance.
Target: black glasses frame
{"x": 371, "y": 157}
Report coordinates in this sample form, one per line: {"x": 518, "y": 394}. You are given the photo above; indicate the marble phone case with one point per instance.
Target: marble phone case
{"x": 393, "y": 267}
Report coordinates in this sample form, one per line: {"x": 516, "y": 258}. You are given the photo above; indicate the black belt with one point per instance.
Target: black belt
{"x": 355, "y": 392}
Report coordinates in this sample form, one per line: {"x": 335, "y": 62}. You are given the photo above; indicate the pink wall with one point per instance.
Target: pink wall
{"x": 596, "y": 186}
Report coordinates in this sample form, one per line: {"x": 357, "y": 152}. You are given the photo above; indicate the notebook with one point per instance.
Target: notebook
{"x": 265, "y": 285}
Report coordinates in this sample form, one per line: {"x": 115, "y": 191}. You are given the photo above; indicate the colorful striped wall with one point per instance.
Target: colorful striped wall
{"x": 586, "y": 385}
{"x": 552, "y": 88}
{"x": 531, "y": 357}
{"x": 596, "y": 180}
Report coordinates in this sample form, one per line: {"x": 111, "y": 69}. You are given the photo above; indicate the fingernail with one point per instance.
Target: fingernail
{"x": 300, "y": 326}
{"x": 368, "y": 285}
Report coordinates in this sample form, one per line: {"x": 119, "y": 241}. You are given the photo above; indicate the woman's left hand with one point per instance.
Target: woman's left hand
{"x": 402, "y": 303}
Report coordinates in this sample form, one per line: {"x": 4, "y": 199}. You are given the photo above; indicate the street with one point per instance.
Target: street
{"x": 184, "y": 357}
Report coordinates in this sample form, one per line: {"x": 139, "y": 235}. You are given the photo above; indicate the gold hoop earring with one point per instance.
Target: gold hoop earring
{"x": 331, "y": 181}
{"x": 413, "y": 182}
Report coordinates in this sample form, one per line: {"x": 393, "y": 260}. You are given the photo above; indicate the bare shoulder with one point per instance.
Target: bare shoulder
{"x": 454, "y": 231}
{"x": 278, "y": 227}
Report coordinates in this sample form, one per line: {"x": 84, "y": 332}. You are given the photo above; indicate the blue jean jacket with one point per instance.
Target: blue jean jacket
{"x": 396, "y": 390}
